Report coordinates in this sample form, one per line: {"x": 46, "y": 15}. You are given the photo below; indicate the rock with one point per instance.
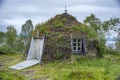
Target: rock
{"x": 1, "y": 65}
{"x": 118, "y": 78}
{"x": 1, "y": 78}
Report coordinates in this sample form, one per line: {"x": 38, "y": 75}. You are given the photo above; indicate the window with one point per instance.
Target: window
{"x": 77, "y": 45}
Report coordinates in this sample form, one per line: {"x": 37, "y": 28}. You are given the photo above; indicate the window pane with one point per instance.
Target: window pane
{"x": 79, "y": 44}
{"x": 74, "y": 44}
{"x": 74, "y": 40}
{"x": 74, "y": 48}
{"x": 79, "y": 48}
{"x": 79, "y": 40}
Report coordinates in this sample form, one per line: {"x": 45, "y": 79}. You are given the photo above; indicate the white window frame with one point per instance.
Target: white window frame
{"x": 76, "y": 46}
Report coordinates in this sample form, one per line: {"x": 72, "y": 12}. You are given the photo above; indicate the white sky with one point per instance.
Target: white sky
{"x": 16, "y": 12}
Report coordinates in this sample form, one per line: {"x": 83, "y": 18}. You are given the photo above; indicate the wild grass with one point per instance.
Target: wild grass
{"x": 7, "y": 60}
{"x": 76, "y": 68}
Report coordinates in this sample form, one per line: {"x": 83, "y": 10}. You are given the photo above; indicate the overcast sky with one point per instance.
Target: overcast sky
{"x": 16, "y": 12}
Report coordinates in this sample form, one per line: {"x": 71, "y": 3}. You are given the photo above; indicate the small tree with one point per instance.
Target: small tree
{"x": 2, "y": 36}
{"x": 27, "y": 29}
{"x": 26, "y": 34}
{"x": 11, "y": 36}
{"x": 19, "y": 44}
{"x": 96, "y": 24}
{"x": 93, "y": 22}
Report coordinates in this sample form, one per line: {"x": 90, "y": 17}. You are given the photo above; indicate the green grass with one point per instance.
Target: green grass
{"x": 8, "y": 60}
{"x": 10, "y": 75}
{"x": 76, "y": 68}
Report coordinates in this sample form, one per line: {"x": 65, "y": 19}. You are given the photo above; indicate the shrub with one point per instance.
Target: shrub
{"x": 58, "y": 24}
{"x": 5, "y": 50}
{"x": 42, "y": 30}
{"x": 100, "y": 47}
{"x": 57, "y": 55}
{"x": 1, "y": 78}
{"x": 111, "y": 51}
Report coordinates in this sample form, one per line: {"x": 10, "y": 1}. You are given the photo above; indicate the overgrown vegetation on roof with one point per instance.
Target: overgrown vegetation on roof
{"x": 57, "y": 31}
